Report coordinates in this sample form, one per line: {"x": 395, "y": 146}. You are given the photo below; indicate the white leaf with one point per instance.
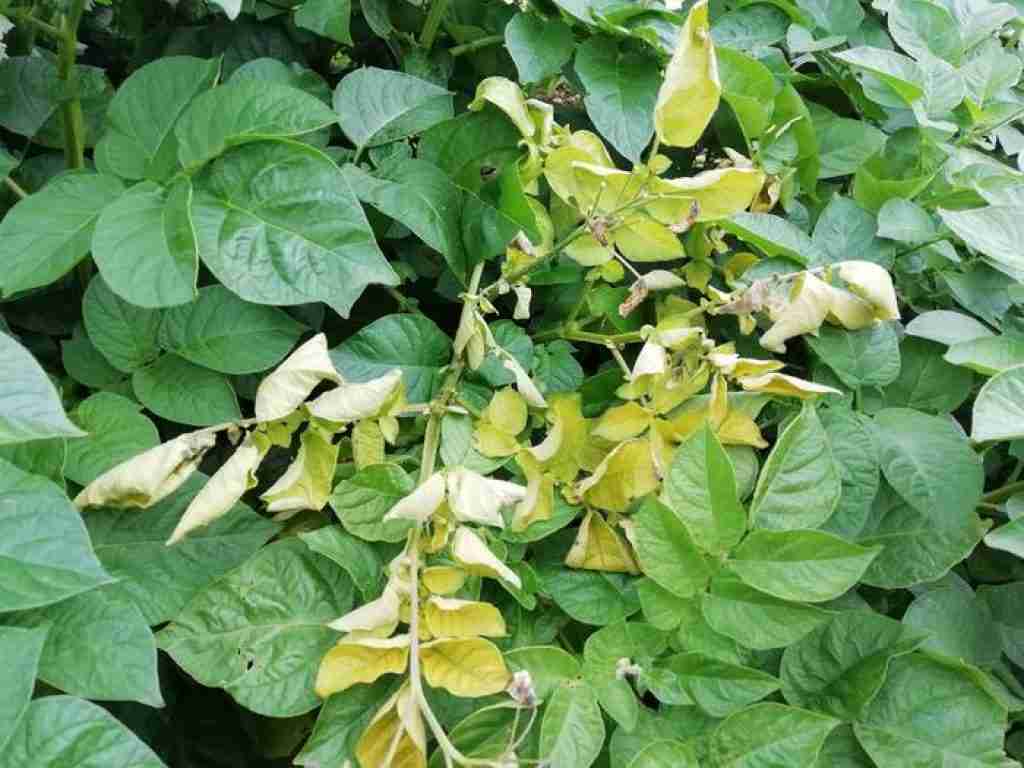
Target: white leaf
{"x": 472, "y": 554}
{"x": 352, "y": 402}
{"x": 474, "y": 498}
{"x": 287, "y": 387}
{"x": 422, "y": 503}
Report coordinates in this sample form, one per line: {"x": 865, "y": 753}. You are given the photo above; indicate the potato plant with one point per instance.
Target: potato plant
{"x": 555, "y": 383}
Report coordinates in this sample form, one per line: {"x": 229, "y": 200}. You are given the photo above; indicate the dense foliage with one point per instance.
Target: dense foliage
{"x": 559, "y": 383}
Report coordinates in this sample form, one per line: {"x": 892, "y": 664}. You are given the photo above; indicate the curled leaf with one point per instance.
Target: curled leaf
{"x": 352, "y": 402}
{"x": 539, "y": 502}
{"x": 809, "y": 302}
{"x": 873, "y": 284}
{"x": 290, "y": 384}
{"x": 627, "y": 473}
{"x": 379, "y": 617}
{"x": 508, "y": 97}
{"x": 469, "y": 551}
{"x": 599, "y": 548}
{"x": 788, "y": 386}
{"x": 422, "y": 503}
{"x": 525, "y": 384}
{"x": 395, "y": 738}
{"x": 443, "y": 579}
{"x": 474, "y": 498}
{"x": 306, "y": 484}
{"x": 708, "y": 196}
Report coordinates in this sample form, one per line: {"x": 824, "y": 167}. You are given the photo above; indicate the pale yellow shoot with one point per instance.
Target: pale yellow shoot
{"x": 732, "y": 364}
{"x": 788, "y": 386}
{"x": 599, "y": 548}
{"x": 873, "y": 284}
{"x": 809, "y": 302}
{"x": 691, "y": 90}
{"x": 627, "y": 473}
{"x": 508, "y": 97}
{"x": 622, "y": 422}
{"x": 422, "y": 503}
{"x": 361, "y": 660}
{"x": 352, "y": 402}
{"x": 469, "y": 551}
{"x": 474, "y": 498}
{"x": 740, "y": 429}
{"x": 395, "y": 738}
{"x": 447, "y": 617}
{"x": 290, "y": 384}
{"x": 151, "y": 476}
{"x": 378, "y": 617}
{"x": 235, "y": 476}
{"x": 652, "y": 360}
{"x": 587, "y": 251}
{"x": 306, "y": 484}
{"x": 465, "y": 667}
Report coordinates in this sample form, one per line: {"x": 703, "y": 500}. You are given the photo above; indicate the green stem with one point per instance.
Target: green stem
{"x": 476, "y": 45}
{"x": 26, "y": 17}
{"x": 67, "y": 73}
{"x": 15, "y": 187}
{"x": 573, "y": 334}
{"x": 405, "y": 304}
{"x": 433, "y": 23}
{"x": 1002, "y": 494}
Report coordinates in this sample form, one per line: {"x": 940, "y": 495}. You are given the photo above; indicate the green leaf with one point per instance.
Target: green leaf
{"x": 929, "y": 463}
{"x": 21, "y": 648}
{"x": 754, "y": 619}
{"x": 278, "y": 224}
{"x": 98, "y": 647}
{"x": 681, "y": 724}
{"x": 28, "y": 95}
{"x": 549, "y": 667}
{"x": 995, "y": 231}
{"x": 635, "y": 641}
{"x": 362, "y": 501}
{"x": 245, "y": 111}
{"x": 177, "y": 390}
{"x": 44, "y": 458}
{"x": 1008, "y": 537}
{"x": 329, "y": 18}
{"x": 925, "y": 29}
{"x": 116, "y": 432}
{"x": 555, "y": 369}
{"x": 719, "y": 688}
{"x": 844, "y": 228}
{"x": 664, "y": 754}
{"x": 987, "y": 355}
{"x": 897, "y": 74}
{"x": 539, "y": 47}
{"x": 30, "y": 407}
{"x": 412, "y": 343}
{"x": 844, "y": 144}
{"x": 666, "y": 551}
{"x": 621, "y": 91}
{"x": 268, "y": 70}
{"x": 86, "y": 365}
{"x": 856, "y": 458}
{"x": 140, "y": 141}
{"x": 907, "y": 222}
{"x": 800, "y": 565}
{"x": 591, "y": 597}
{"x": 65, "y": 732}
{"x": 957, "y": 624}
{"x": 124, "y": 334}
{"x": 749, "y": 87}
{"x": 161, "y": 580}
{"x": 700, "y": 488}
{"x": 470, "y": 144}
{"x": 378, "y": 106}
{"x": 926, "y": 381}
{"x": 259, "y": 632}
{"x": 933, "y": 712}
{"x": 45, "y": 555}
{"x": 766, "y": 735}
{"x": 947, "y": 327}
{"x": 999, "y": 410}
{"x": 1006, "y": 605}
{"x": 155, "y": 223}
{"x": 341, "y": 723}
{"x": 799, "y": 485}
{"x": 45, "y": 235}
{"x": 359, "y": 559}
{"x": 572, "y": 731}
{"x": 839, "y": 666}
{"x": 775, "y": 236}
{"x": 221, "y": 332}
{"x": 869, "y": 357}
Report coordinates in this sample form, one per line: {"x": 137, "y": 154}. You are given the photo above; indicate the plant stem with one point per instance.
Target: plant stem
{"x": 405, "y": 304}
{"x": 26, "y": 17}
{"x": 15, "y": 187}
{"x": 433, "y": 23}
{"x": 67, "y": 72}
{"x": 476, "y": 45}
{"x": 1002, "y": 494}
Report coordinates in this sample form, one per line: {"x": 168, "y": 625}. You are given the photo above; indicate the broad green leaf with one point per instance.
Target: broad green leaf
{"x": 221, "y": 332}
{"x": 621, "y": 90}
{"x": 680, "y": 724}
{"x": 869, "y": 357}
{"x": 987, "y": 355}
{"x": 66, "y": 732}
{"x": 44, "y": 458}
{"x": 329, "y": 18}
{"x": 926, "y": 381}
{"x": 359, "y": 559}
{"x": 177, "y": 390}
{"x": 340, "y": 724}
{"x": 549, "y": 667}
{"x": 411, "y": 343}
{"x": 925, "y": 29}
{"x": 154, "y": 222}
{"x": 539, "y": 47}
{"x": 957, "y": 624}
{"x": 811, "y": 566}
{"x": 999, "y": 408}
{"x": 86, "y": 365}
{"x": 28, "y": 95}
{"x": 1008, "y": 537}
{"x": 791, "y": 110}
{"x": 572, "y": 730}
{"x": 749, "y": 88}
{"x": 956, "y": 723}
{"x": 719, "y": 688}
{"x": 700, "y": 488}
{"x": 45, "y": 554}
{"x": 799, "y": 485}
{"x": 30, "y": 406}
{"x": 844, "y": 229}
{"x": 140, "y": 142}
{"x": 45, "y": 235}
{"x": 666, "y": 551}
{"x": 161, "y": 580}
{"x": 839, "y": 666}
{"x": 124, "y": 334}
{"x": 907, "y": 222}
{"x": 591, "y": 597}
{"x": 947, "y": 327}
{"x": 775, "y": 236}
{"x": 844, "y": 144}
{"x": 664, "y": 754}
{"x": 245, "y": 111}
{"x": 116, "y": 432}
{"x": 471, "y": 145}
{"x": 362, "y": 501}
{"x": 988, "y": 72}
{"x": 856, "y": 459}
{"x": 767, "y": 735}
{"x": 293, "y": 235}
{"x": 22, "y": 649}
{"x": 995, "y": 231}
{"x": 902, "y": 168}
{"x": 377, "y": 106}
{"x": 294, "y": 74}
{"x": 691, "y": 90}
{"x": 898, "y": 74}
{"x": 98, "y": 647}
{"x": 259, "y": 631}
{"x": 1005, "y": 602}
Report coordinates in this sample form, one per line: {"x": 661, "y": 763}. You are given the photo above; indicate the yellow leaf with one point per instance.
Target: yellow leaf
{"x": 561, "y": 452}
{"x": 307, "y": 482}
{"x": 807, "y": 307}
{"x": 290, "y": 384}
{"x": 718, "y": 194}
{"x": 492, "y": 442}
{"x": 507, "y": 411}
{"x": 690, "y": 93}
{"x": 474, "y": 498}
{"x": 627, "y": 473}
{"x": 599, "y": 548}
{"x": 446, "y": 617}
{"x": 395, "y": 738}
{"x": 466, "y": 667}
{"x": 367, "y": 444}
{"x": 739, "y": 429}
{"x": 718, "y": 403}
{"x": 378, "y": 617}
{"x": 732, "y": 364}
{"x": 582, "y": 147}
{"x": 600, "y": 188}
{"x": 676, "y": 387}
{"x": 850, "y": 311}
{"x": 873, "y": 284}
{"x": 360, "y": 660}
{"x": 789, "y": 386}
{"x": 622, "y": 422}
{"x": 641, "y": 238}
{"x": 151, "y": 476}
{"x": 422, "y": 503}
{"x": 443, "y": 579}
{"x": 352, "y": 402}
{"x": 225, "y": 488}
{"x": 587, "y": 251}
{"x": 469, "y": 551}
{"x": 508, "y": 97}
